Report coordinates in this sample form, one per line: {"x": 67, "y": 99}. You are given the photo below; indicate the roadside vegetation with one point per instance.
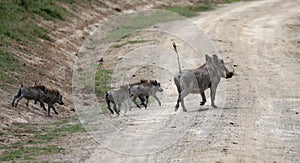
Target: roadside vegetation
{"x": 102, "y": 80}
{"x": 193, "y": 10}
{"x": 40, "y": 139}
{"x": 19, "y": 30}
{"x": 130, "y": 42}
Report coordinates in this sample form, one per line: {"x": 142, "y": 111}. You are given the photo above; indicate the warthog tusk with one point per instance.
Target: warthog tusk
{"x": 233, "y": 69}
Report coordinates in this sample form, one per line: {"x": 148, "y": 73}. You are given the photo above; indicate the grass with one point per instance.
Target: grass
{"x": 58, "y": 133}
{"x": 8, "y": 65}
{"x": 18, "y": 28}
{"x": 130, "y": 42}
{"x": 102, "y": 79}
{"x": 38, "y": 139}
{"x": 132, "y": 24}
{"x": 28, "y": 153}
{"x": 17, "y": 20}
{"x": 191, "y": 11}
{"x": 232, "y": 1}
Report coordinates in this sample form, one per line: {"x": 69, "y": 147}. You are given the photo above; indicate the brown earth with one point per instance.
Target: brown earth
{"x": 258, "y": 122}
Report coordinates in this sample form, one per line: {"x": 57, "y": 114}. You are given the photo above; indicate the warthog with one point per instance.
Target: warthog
{"x": 117, "y": 97}
{"x": 51, "y": 97}
{"x": 30, "y": 93}
{"x": 198, "y": 80}
{"x": 39, "y": 93}
{"x": 142, "y": 98}
{"x": 146, "y": 89}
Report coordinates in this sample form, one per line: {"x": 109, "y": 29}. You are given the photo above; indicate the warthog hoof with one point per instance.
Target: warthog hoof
{"x": 176, "y": 107}
{"x": 202, "y": 103}
{"x": 214, "y": 106}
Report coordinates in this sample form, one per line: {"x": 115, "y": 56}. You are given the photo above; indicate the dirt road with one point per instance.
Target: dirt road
{"x": 258, "y": 119}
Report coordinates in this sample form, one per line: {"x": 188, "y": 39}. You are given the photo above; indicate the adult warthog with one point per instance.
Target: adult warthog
{"x": 146, "y": 89}
{"x": 198, "y": 80}
{"x": 30, "y": 93}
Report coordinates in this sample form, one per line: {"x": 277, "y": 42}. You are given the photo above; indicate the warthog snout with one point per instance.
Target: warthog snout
{"x": 229, "y": 75}
{"x": 60, "y": 100}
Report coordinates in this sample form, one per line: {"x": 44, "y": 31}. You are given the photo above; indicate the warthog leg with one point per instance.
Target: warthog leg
{"x": 181, "y": 99}
{"x": 213, "y": 95}
{"x": 18, "y": 99}
{"x": 156, "y": 99}
{"x": 142, "y": 99}
{"x": 51, "y": 105}
{"x": 27, "y": 103}
{"x": 108, "y": 106}
{"x": 117, "y": 110}
{"x": 13, "y": 102}
{"x": 203, "y": 98}
{"x": 134, "y": 101}
{"x": 178, "y": 99}
{"x": 54, "y": 109}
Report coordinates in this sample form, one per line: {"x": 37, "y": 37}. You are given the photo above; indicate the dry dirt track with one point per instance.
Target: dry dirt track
{"x": 260, "y": 119}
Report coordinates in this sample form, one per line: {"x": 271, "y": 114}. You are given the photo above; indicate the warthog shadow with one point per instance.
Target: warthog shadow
{"x": 219, "y": 108}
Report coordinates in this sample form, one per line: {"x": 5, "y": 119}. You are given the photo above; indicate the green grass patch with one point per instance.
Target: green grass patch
{"x": 130, "y": 42}
{"x": 48, "y": 9}
{"x": 232, "y": 1}
{"x": 102, "y": 79}
{"x": 8, "y": 65}
{"x": 28, "y": 153}
{"x": 59, "y": 132}
{"x": 17, "y": 20}
{"x": 191, "y": 11}
{"x": 132, "y": 24}
{"x": 37, "y": 139}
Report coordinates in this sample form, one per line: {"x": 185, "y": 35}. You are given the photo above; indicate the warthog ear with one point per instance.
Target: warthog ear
{"x": 44, "y": 89}
{"x": 208, "y": 59}
{"x": 215, "y": 58}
